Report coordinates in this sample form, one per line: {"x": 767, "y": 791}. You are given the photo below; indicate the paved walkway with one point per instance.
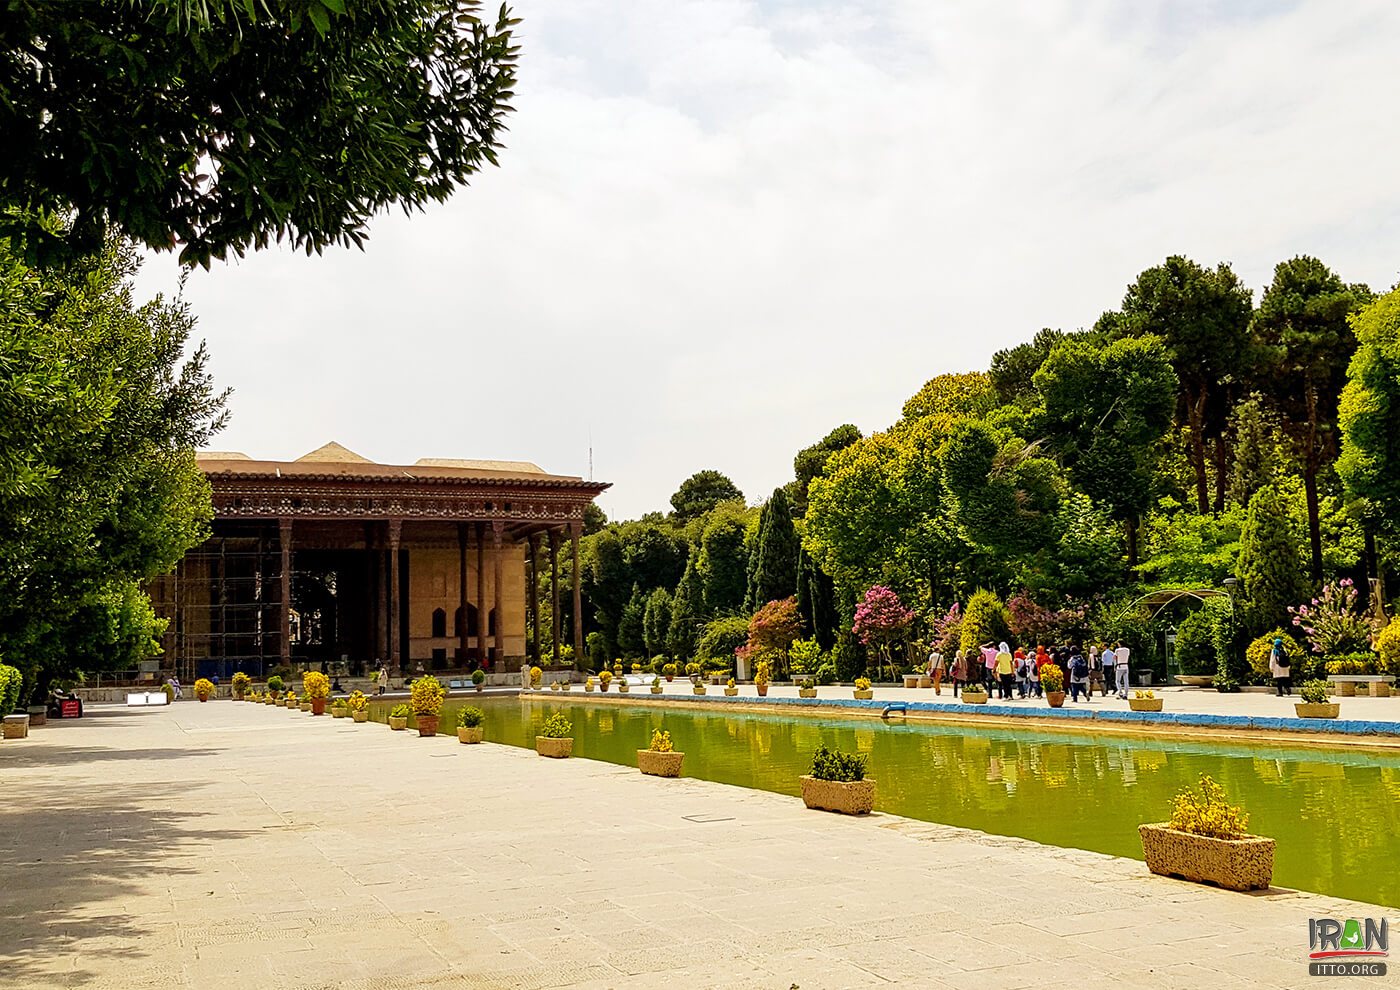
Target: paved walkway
{"x": 224, "y": 845}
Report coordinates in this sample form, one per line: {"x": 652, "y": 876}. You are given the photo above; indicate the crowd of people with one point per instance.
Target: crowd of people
{"x": 1017, "y": 674}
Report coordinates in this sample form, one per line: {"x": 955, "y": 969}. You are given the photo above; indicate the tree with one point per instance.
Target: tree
{"x": 1013, "y": 369}
{"x": 1005, "y": 496}
{"x": 1269, "y": 569}
{"x": 1257, "y": 442}
{"x": 1369, "y": 417}
{"x": 724, "y": 561}
{"x": 223, "y": 124}
{"x": 687, "y": 608}
{"x": 631, "y": 627}
{"x": 955, "y": 396}
{"x": 881, "y": 621}
{"x": 810, "y": 462}
{"x": 816, "y": 601}
{"x": 99, "y": 491}
{"x": 1107, "y": 407}
{"x": 701, "y": 492}
{"x": 771, "y": 631}
{"x": 772, "y": 572}
{"x": 1302, "y": 323}
{"x": 656, "y": 621}
{"x": 1202, "y": 315}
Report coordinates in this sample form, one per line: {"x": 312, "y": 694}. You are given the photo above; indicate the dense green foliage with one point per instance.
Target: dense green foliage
{"x": 100, "y": 411}
{"x": 220, "y": 125}
{"x": 1170, "y": 449}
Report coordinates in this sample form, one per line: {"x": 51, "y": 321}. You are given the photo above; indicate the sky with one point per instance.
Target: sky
{"x": 722, "y": 227}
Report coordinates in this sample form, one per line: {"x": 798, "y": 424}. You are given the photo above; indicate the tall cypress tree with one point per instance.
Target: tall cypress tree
{"x": 687, "y": 606}
{"x": 631, "y": 633}
{"x": 816, "y": 600}
{"x": 772, "y": 572}
{"x": 724, "y": 561}
{"x": 1270, "y": 568}
{"x": 656, "y": 622}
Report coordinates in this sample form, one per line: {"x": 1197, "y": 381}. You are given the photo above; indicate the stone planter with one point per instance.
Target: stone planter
{"x": 855, "y": 797}
{"x": 1145, "y": 704}
{"x": 865, "y": 695}
{"x": 698, "y": 689}
{"x": 980, "y": 697}
{"x": 657, "y": 689}
{"x": 15, "y": 727}
{"x": 911, "y": 680}
{"x": 588, "y": 687}
{"x": 1055, "y": 698}
{"x": 1321, "y": 709}
{"x": 304, "y": 706}
{"x": 360, "y": 716}
{"x": 338, "y": 713}
{"x": 730, "y": 692}
{"x": 563, "y": 685}
{"x": 623, "y": 687}
{"x": 807, "y": 692}
{"x": 398, "y": 724}
{"x": 427, "y": 725}
{"x": 659, "y": 764}
{"x": 555, "y": 749}
{"x": 318, "y": 706}
{"x": 1235, "y": 864}
{"x": 38, "y": 715}
{"x": 289, "y": 703}
{"x": 472, "y": 734}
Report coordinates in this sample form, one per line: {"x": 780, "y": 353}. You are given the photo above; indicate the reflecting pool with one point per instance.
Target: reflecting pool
{"x": 1335, "y": 813}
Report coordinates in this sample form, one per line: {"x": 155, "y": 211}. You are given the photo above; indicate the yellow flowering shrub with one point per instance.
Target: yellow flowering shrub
{"x": 605, "y": 676}
{"x": 315, "y": 685}
{"x": 241, "y": 682}
{"x": 764, "y": 672}
{"x": 357, "y": 702}
{"x": 862, "y": 684}
{"x": 660, "y": 741}
{"x": 203, "y": 687}
{"x": 535, "y": 676}
{"x": 425, "y": 698}
{"x": 1208, "y": 813}
{"x": 1144, "y": 695}
{"x": 291, "y": 695}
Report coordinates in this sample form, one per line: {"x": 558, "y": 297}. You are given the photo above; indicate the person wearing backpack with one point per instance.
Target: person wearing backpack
{"x": 1120, "y": 668}
{"x": 1078, "y": 674}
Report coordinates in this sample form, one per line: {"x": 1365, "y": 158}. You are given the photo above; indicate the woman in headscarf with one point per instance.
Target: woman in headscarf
{"x": 1280, "y": 668}
{"x": 1006, "y": 671}
{"x": 959, "y": 671}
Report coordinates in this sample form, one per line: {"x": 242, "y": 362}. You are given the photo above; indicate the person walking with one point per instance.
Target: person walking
{"x": 1096, "y": 671}
{"x": 1120, "y": 669}
{"x": 959, "y": 671}
{"x": 1006, "y": 671}
{"x": 1078, "y": 674}
{"x": 382, "y": 678}
{"x": 1022, "y": 664}
{"x": 1280, "y": 668}
{"x": 935, "y": 669}
{"x": 1106, "y": 660}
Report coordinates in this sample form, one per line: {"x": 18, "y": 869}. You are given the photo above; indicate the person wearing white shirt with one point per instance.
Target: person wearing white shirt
{"x": 1120, "y": 668}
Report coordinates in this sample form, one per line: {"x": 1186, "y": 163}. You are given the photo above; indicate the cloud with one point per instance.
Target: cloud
{"x": 724, "y": 227}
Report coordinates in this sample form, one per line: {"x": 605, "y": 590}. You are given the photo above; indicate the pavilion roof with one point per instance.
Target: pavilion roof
{"x": 334, "y": 461}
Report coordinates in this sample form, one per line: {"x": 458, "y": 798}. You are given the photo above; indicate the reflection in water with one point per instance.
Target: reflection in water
{"x": 1334, "y": 812}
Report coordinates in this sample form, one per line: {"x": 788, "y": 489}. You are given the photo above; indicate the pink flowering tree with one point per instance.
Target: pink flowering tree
{"x": 1034, "y": 623}
{"x": 947, "y": 629}
{"x": 881, "y": 622}
{"x": 1333, "y": 621}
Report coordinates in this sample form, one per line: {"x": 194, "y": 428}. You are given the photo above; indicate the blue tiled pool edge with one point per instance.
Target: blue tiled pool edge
{"x": 1347, "y": 727}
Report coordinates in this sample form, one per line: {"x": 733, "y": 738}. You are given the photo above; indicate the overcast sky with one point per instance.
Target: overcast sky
{"x": 722, "y": 228}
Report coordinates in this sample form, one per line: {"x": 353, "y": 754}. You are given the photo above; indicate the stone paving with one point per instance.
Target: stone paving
{"x": 226, "y": 845}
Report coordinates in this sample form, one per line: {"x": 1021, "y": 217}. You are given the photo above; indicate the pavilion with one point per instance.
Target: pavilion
{"x": 332, "y": 557}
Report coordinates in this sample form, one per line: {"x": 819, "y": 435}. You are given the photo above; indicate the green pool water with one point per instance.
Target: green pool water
{"x": 1334, "y": 813}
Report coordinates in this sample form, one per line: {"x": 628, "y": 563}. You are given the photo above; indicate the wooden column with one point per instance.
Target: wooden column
{"x": 554, "y": 590}
{"x": 462, "y": 593}
{"x": 395, "y": 532}
{"x": 481, "y": 607}
{"x": 534, "y": 597}
{"x": 575, "y": 531}
{"x": 498, "y": 552}
{"x": 284, "y": 532}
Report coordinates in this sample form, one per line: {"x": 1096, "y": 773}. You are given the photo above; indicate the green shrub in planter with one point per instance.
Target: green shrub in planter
{"x": 470, "y": 717}
{"x": 557, "y": 727}
{"x": 831, "y": 764}
{"x": 1315, "y": 692}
